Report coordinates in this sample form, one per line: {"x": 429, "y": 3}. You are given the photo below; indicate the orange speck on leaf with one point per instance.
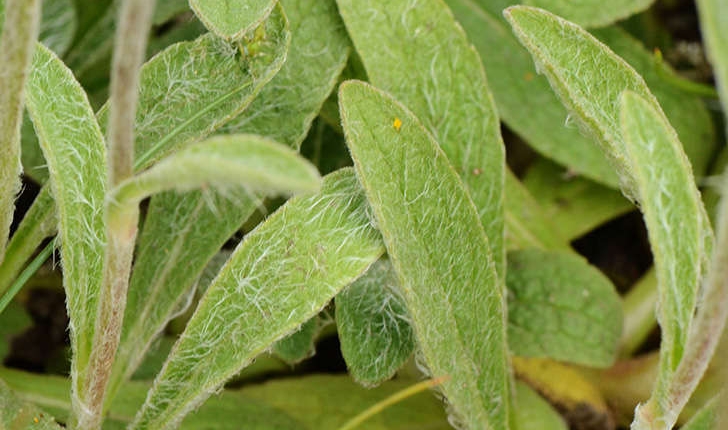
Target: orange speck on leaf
{"x": 36, "y": 420}
{"x": 397, "y": 124}
{"x": 528, "y": 77}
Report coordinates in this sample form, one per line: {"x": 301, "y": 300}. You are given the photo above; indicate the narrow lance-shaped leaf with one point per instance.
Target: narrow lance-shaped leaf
{"x": 681, "y": 239}
{"x": 74, "y": 147}
{"x": 417, "y": 52}
{"x": 713, "y": 24}
{"x": 664, "y": 186}
{"x": 258, "y": 163}
{"x": 545, "y": 125}
{"x": 439, "y": 250}
{"x": 183, "y": 231}
{"x": 559, "y": 307}
{"x": 281, "y": 275}
{"x": 19, "y": 32}
{"x": 231, "y": 19}
{"x": 178, "y": 106}
{"x": 373, "y": 325}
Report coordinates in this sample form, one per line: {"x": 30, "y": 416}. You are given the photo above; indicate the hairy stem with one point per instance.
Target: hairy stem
{"x": 121, "y": 221}
{"x": 131, "y": 42}
{"x": 16, "y": 51}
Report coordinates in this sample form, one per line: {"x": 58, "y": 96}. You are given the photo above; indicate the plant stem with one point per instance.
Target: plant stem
{"x": 16, "y": 51}
{"x": 121, "y": 221}
{"x": 129, "y": 51}
{"x": 705, "y": 333}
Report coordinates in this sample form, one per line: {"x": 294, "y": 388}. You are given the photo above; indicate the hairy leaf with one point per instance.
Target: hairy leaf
{"x": 258, "y": 163}
{"x": 280, "y": 276}
{"x": 74, "y": 148}
{"x": 559, "y": 307}
{"x": 177, "y": 106}
{"x": 417, "y": 52}
{"x": 439, "y": 250}
{"x": 514, "y": 84}
{"x": 678, "y": 226}
{"x": 374, "y": 328}
{"x": 232, "y": 19}
{"x": 183, "y": 231}
{"x": 16, "y": 51}
{"x": 299, "y": 345}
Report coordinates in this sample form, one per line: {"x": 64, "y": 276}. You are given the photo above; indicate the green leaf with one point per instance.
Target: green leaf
{"x": 228, "y": 411}
{"x": 533, "y": 412}
{"x": 526, "y": 225}
{"x": 232, "y": 19}
{"x": 16, "y": 51}
{"x": 712, "y": 26}
{"x": 287, "y": 105}
{"x": 329, "y": 401}
{"x": 429, "y": 223}
{"x": 178, "y": 105}
{"x": 74, "y": 147}
{"x": 573, "y": 205}
{"x": 592, "y": 13}
{"x": 96, "y": 43}
{"x": 58, "y": 25}
{"x": 192, "y": 108}
{"x": 183, "y": 231}
{"x": 281, "y": 275}
{"x": 15, "y": 414}
{"x": 374, "y": 328}
{"x": 678, "y": 226}
{"x": 298, "y": 345}
{"x": 259, "y": 164}
{"x": 591, "y": 95}
{"x": 411, "y": 52}
{"x": 513, "y": 82}
{"x": 559, "y": 307}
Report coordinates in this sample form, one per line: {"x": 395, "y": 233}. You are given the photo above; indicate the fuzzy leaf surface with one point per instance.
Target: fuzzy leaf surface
{"x": 416, "y": 51}
{"x": 183, "y": 231}
{"x": 514, "y": 84}
{"x": 298, "y": 345}
{"x": 177, "y": 106}
{"x": 373, "y": 324}
{"x": 281, "y": 275}
{"x": 677, "y": 224}
{"x": 560, "y": 307}
{"x": 74, "y": 148}
{"x": 439, "y": 249}
{"x": 232, "y": 19}
{"x": 259, "y": 164}
{"x": 16, "y": 52}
